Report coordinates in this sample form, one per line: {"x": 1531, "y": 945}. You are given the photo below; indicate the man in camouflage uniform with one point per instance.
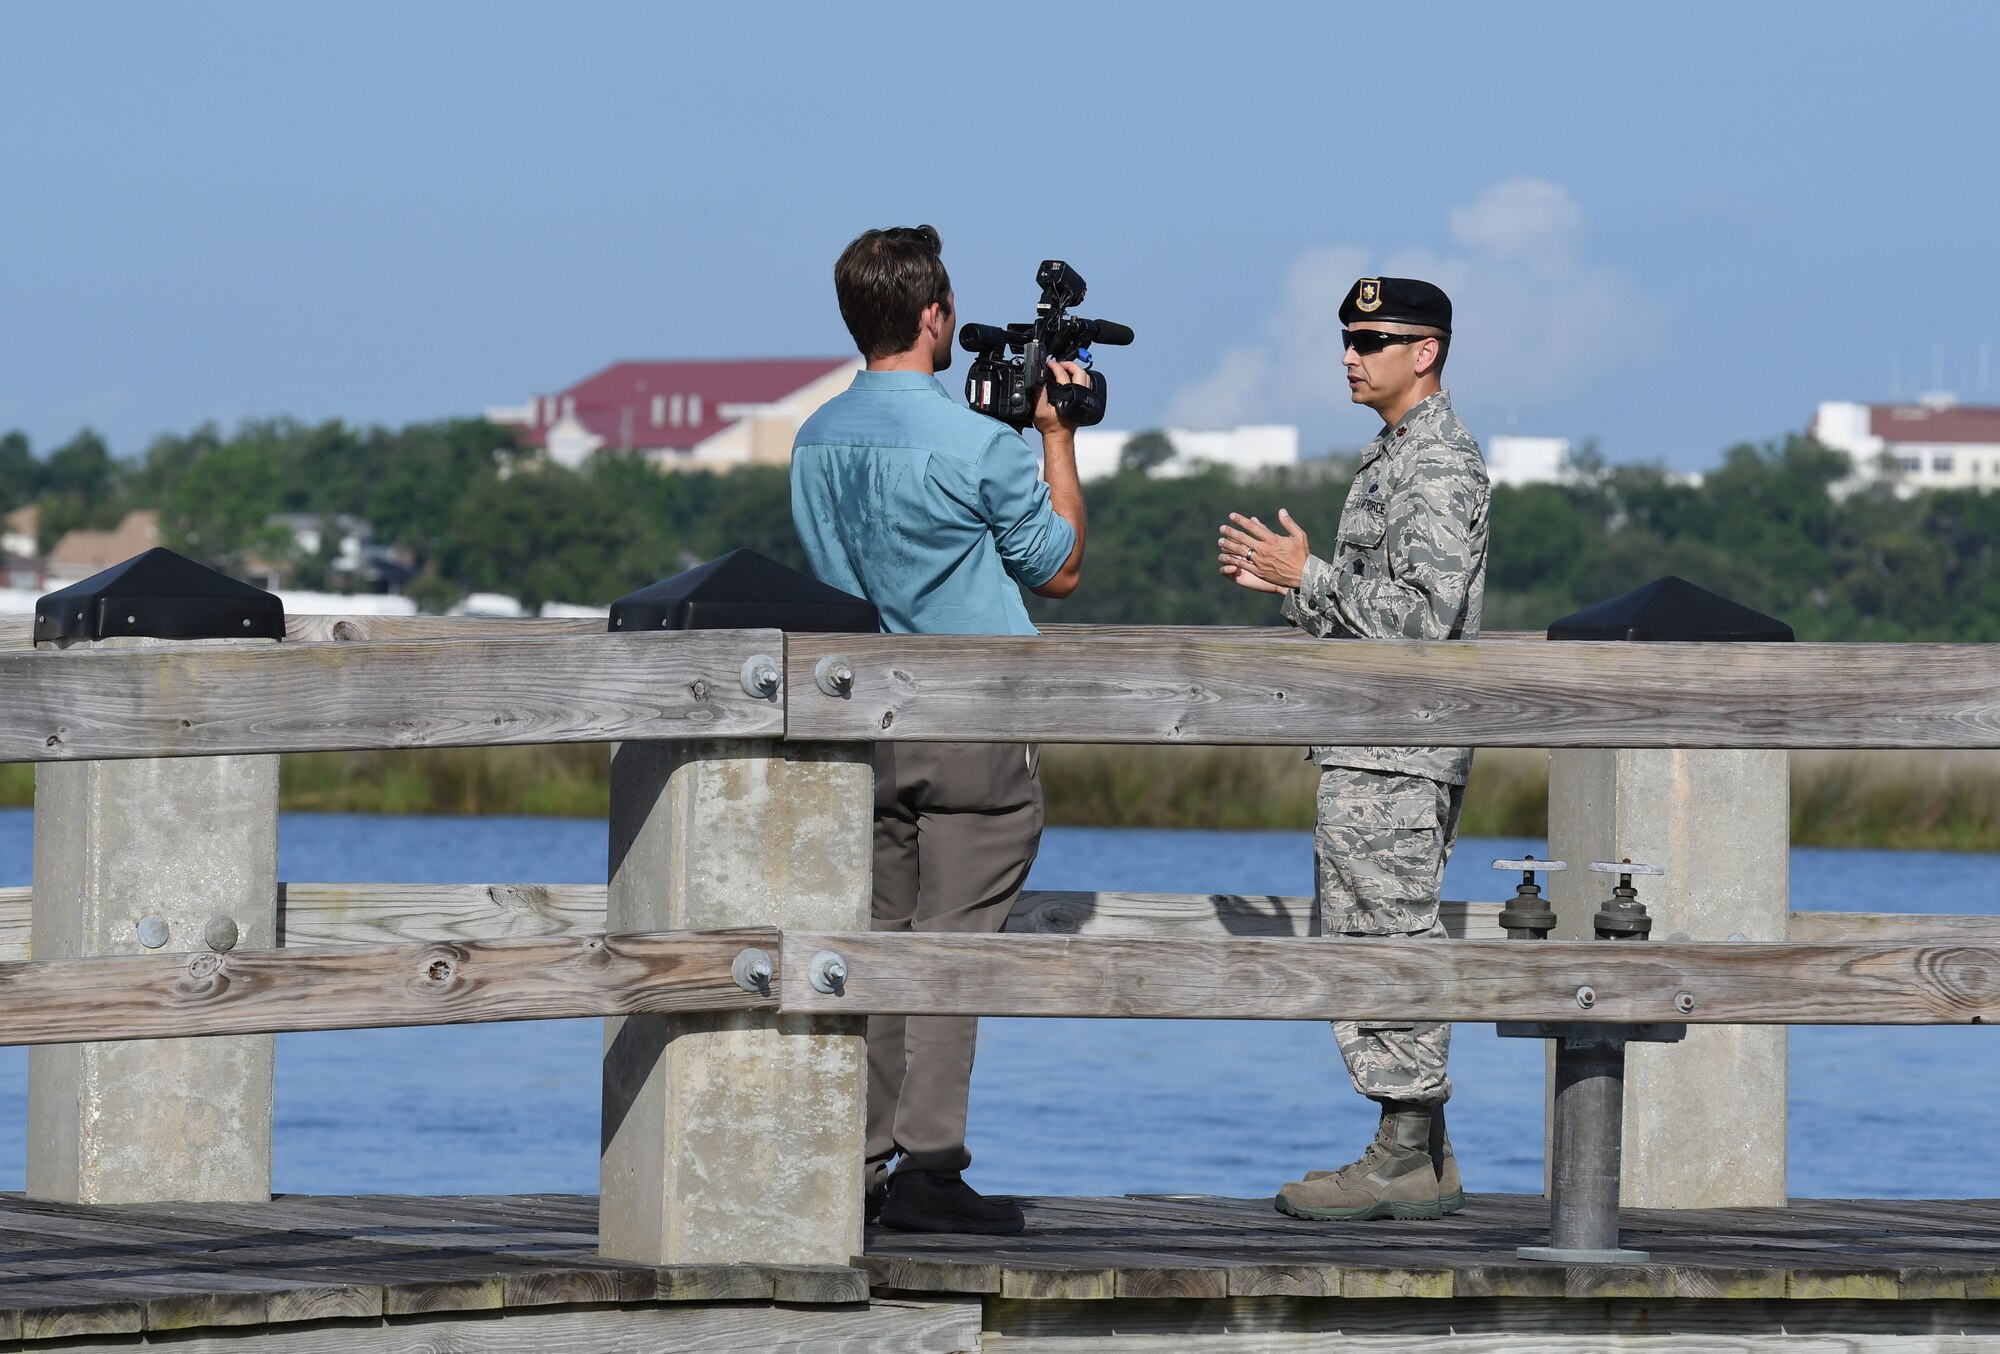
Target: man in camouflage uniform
{"x": 1409, "y": 563}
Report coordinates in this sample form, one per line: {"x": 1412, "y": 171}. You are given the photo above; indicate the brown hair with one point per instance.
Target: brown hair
{"x": 885, "y": 280}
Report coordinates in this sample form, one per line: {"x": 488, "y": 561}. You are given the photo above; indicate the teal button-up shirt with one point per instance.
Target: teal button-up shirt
{"x": 934, "y": 513}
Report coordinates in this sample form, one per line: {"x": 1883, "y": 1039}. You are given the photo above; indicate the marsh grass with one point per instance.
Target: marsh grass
{"x": 566, "y": 781}
{"x": 556, "y": 781}
{"x": 1091, "y": 785}
{"x": 1946, "y": 801}
{"x": 1938, "y": 801}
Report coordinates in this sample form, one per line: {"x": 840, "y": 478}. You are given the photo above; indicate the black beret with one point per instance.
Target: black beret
{"x": 1397, "y": 300}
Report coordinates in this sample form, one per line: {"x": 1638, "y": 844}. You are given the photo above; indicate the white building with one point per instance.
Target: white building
{"x": 1262, "y": 446}
{"x": 1519, "y": 461}
{"x": 1936, "y": 443}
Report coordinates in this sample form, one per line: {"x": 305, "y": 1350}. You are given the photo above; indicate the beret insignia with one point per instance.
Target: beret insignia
{"x": 1368, "y": 294}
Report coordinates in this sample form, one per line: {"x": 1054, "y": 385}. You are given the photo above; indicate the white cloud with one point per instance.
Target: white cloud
{"x": 1521, "y": 218}
{"x": 1534, "y": 322}
{"x": 1221, "y": 398}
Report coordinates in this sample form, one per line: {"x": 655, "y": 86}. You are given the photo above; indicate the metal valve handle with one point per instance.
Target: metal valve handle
{"x": 1624, "y": 867}
{"x": 1528, "y": 915}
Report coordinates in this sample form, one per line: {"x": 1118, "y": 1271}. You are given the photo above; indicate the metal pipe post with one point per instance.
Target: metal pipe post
{"x": 1589, "y": 1140}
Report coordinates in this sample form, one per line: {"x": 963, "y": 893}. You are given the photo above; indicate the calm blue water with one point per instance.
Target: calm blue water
{"x": 1071, "y": 1107}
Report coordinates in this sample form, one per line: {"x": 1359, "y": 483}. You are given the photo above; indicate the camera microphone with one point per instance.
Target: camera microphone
{"x": 1106, "y": 331}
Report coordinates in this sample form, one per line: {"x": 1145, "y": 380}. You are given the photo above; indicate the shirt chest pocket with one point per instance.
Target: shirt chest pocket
{"x": 1362, "y": 525}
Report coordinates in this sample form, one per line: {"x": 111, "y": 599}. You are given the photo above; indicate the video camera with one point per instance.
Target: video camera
{"x": 1005, "y": 387}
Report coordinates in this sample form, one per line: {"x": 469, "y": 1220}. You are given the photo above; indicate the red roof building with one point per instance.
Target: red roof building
{"x": 702, "y": 414}
{"x": 1935, "y": 444}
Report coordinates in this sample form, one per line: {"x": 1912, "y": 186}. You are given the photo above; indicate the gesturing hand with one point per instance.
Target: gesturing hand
{"x": 1258, "y": 557}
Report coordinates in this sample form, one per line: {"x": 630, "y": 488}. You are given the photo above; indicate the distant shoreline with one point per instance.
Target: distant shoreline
{"x": 1907, "y": 800}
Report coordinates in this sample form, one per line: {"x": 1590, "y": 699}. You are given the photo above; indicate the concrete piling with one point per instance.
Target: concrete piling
{"x": 1720, "y": 823}
{"x": 736, "y": 1137}
{"x": 144, "y": 857}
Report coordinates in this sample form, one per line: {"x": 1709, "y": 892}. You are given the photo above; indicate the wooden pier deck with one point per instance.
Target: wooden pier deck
{"x": 306, "y": 1274}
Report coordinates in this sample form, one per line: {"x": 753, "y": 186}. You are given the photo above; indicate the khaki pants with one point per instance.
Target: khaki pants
{"x": 956, "y": 827}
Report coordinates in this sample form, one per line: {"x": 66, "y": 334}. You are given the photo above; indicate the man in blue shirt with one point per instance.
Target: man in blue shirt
{"x": 938, "y": 516}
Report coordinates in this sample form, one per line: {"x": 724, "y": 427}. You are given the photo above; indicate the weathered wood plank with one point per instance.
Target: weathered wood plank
{"x": 1805, "y": 984}
{"x": 1386, "y": 1281}
{"x": 324, "y": 1302}
{"x": 308, "y": 629}
{"x": 388, "y": 914}
{"x": 1067, "y": 629}
{"x": 1120, "y": 689}
{"x": 930, "y": 1274}
{"x": 1895, "y": 928}
{"x": 1291, "y": 1281}
{"x": 1839, "y": 1283}
{"x": 52, "y": 1313}
{"x": 1173, "y": 1281}
{"x": 16, "y": 923}
{"x": 1192, "y": 915}
{"x": 556, "y": 1286}
{"x": 711, "y": 1283}
{"x": 1528, "y": 1333}
{"x": 1058, "y": 1282}
{"x": 205, "y": 1298}
{"x": 350, "y": 629}
{"x": 417, "y": 1297}
{"x": 252, "y": 991}
{"x": 818, "y": 1283}
{"x": 879, "y": 1328}
{"x": 372, "y": 914}
{"x": 197, "y": 700}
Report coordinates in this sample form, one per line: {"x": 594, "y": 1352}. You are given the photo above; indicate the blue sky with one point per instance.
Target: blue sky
{"x": 1669, "y": 227}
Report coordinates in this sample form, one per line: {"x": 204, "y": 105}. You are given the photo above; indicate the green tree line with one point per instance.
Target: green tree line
{"x": 475, "y": 512}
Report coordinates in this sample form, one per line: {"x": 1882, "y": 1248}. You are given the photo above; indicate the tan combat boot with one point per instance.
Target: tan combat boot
{"x": 1451, "y": 1191}
{"x": 1393, "y": 1179}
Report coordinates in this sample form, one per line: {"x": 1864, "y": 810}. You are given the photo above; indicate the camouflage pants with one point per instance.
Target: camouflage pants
{"x": 1380, "y": 844}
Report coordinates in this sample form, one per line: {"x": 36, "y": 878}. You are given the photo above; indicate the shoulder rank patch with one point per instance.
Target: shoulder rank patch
{"x": 1369, "y": 294}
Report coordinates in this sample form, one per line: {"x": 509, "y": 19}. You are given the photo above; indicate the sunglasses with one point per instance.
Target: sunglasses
{"x": 1367, "y": 341}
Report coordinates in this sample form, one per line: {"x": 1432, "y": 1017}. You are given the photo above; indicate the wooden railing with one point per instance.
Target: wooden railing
{"x": 739, "y": 823}
{"x": 371, "y": 955}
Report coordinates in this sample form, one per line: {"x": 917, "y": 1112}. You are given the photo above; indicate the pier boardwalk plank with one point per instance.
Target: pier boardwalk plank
{"x": 347, "y": 1275}
{"x": 310, "y": 1273}
{"x": 1186, "y": 1245}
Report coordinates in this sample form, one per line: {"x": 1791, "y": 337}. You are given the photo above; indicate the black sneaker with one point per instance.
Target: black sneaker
{"x": 933, "y": 1201}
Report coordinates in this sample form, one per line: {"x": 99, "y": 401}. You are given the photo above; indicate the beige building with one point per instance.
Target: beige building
{"x": 79, "y": 554}
{"x": 692, "y": 415}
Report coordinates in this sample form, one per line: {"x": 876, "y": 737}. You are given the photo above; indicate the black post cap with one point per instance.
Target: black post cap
{"x": 1671, "y": 609}
{"x": 159, "y": 595}
{"x": 743, "y": 590}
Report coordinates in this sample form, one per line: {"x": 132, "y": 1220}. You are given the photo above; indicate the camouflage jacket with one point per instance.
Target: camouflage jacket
{"x": 1409, "y": 562}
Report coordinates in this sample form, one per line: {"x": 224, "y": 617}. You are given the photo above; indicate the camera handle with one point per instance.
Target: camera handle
{"x": 1081, "y": 405}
